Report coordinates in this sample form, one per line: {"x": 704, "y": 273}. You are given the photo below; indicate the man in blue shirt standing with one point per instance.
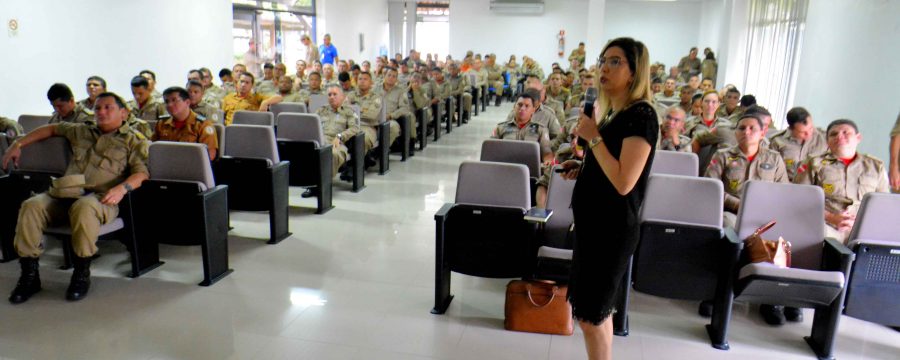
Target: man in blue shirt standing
{"x": 328, "y": 51}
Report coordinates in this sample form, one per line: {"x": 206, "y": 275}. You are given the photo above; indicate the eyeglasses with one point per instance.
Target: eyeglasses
{"x": 673, "y": 118}
{"x": 611, "y": 62}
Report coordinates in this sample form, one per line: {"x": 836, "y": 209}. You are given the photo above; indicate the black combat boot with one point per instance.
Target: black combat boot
{"x": 498, "y": 100}
{"x": 81, "y": 279}
{"x": 29, "y": 282}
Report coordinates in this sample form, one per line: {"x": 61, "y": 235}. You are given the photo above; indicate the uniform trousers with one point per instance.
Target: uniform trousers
{"x": 85, "y": 215}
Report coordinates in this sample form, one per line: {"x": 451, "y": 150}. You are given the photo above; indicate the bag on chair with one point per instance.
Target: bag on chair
{"x": 538, "y": 307}
{"x": 777, "y": 252}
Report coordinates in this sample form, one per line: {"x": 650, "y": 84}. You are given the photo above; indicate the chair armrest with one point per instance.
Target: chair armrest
{"x": 837, "y": 257}
{"x": 538, "y": 215}
{"x": 441, "y": 214}
{"x": 732, "y": 237}
{"x": 281, "y": 166}
{"x": 218, "y": 190}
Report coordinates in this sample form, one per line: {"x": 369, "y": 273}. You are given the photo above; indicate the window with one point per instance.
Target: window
{"x": 433, "y": 28}
{"x": 270, "y": 31}
{"x": 774, "y": 39}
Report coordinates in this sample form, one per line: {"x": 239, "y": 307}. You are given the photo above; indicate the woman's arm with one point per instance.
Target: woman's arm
{"x": 625, "y": 172}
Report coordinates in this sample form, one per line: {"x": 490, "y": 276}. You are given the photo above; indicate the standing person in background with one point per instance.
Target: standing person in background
{"x": 709, "y": 67}
{"x": 610, "y": 188}
{"x": 689, "y": 65}
{"x": 328, "y": 52}
{"x": 578, "y": 54}
{"x": 312, "y": 51}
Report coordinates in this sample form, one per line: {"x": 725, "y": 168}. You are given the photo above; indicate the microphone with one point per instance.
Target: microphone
{"x": 590, "y": 96}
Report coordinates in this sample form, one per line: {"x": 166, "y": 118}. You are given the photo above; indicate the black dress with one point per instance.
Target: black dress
{"x": 606, "y": 223}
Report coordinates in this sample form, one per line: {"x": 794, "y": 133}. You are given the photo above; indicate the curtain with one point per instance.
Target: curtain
{"x": 774, "y": 40}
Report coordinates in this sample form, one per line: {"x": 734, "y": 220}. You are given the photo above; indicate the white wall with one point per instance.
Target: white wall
{"x": 848, "y": 67}
{"x": 346, "y": 19}
{"x": 66, "y": 41}
{"x": 474, "y": 27}
{"x": 669, "y": 29}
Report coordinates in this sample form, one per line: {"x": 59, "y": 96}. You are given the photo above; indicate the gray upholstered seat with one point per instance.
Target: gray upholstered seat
{"x": 301, "y": 127}
{"x": 819, "y": 267}
{"x": 508, "y": 186}
{"x": 116, "y": 225}
{"x": 31, "y": 122}
{"x": 286, "y": 107}
{"x": 220, "y": 134}
{"x": 251, "y": 141}
{"x": 50, "y": 155}
{"x": 180, "y": 161}
{"x": 559, "y": 199}
{"x": 668, "y": 195}
{"x": 316, "y": 101}
{"x": 244, "y": 117}
{"x": 527, "y": 153}
{"x": 873, "y": 290}
{"x": 675, "y": 163}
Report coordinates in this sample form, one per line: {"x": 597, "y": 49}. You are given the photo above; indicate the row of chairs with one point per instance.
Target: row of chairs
{"x": 682, "y": 254}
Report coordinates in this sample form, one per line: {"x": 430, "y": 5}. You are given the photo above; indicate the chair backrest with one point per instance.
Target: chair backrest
{"x": 31, "y": 122}
{"x": 301, "y": 127}
{"x": 316, "y": 101}
{"x": 675, "y": 163}
{"x": 49, "y": 155}
{"x": 286, "y": 107}
{"x": 251, "y": 141}
{"x": 798, "y": 210}
{"x": 508, "y": 185}
{"x": 220, "y": 135}
{"x": 244, "y": 117}
{"x": 877, "y": 218}
{"x": 686, "y": 200}
{"x": 181, "y": 161}
{"x": 523, "y": 152}
{"x": 559, "y": 199}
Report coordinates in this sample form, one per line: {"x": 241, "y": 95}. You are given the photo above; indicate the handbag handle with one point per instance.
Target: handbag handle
{"x": 528, "y": 290}
{"x": 764, "y": 228}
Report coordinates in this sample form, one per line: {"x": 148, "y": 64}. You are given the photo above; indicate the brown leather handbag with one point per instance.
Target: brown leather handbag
{"x": 538, "y": 307}
{"x": 777, "y": 252}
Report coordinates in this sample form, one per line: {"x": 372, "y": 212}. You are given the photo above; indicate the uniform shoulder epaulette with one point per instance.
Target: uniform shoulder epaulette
{"x": 164, "y": 117}
{"x": 201, "y": 117}
{"x": 873, "y": 158}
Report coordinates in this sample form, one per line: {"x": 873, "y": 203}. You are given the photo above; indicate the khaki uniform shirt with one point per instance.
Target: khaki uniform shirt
{"x": 193, "y": 131}
{"x": 561, "y": 96}
{"x": 79, "y": 115}
{"x": 234, "y": 102}
{"x": 213, "y": 96}
{"x": 733, "y": 168}
{"x": 557, "y": 108}
{"x": 421, "y": 99}
{"x": 684, "y": 144}
{"x": 794, "y": 152}
{"x": 565, "y": 137}
{"x": 11, "y": 128}
{"x": 396, "y": 102}
{"x": 312, "y": 54}
{"x": 206, "y": 111}
{"x": 509, "y": 130}
{"x": 734, "y": 115}
{"x": 369, "y": 107}
{"x": 87, "y": 104}
{"x": 105, "y": 160}
{"x": 266, "y": 87}
{"x": 341, "y": 121}
{"x": 141, "y": 125}
{"x": 296, "y": 97}
{"x": 844, "y": 185}
{"x": 494, "y": 72}
{"x": 694, "y": 126}
{"x": 480, "y": 76}
{"x": 228, "y": 88}
{"x": 152, "y": 110}
{"x": 458, "y": 84}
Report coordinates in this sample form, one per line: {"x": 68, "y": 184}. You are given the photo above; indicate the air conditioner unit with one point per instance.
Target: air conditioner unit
{"x": 518, "y": 7}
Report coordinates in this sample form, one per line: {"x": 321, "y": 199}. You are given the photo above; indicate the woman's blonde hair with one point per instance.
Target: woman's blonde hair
{"x": 638, "y": 59}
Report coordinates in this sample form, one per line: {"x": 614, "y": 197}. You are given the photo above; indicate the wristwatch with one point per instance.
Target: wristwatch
{"x": 128, "y": 188}
{"x": 340, "y": 137}
{"x": 595, "y": 141}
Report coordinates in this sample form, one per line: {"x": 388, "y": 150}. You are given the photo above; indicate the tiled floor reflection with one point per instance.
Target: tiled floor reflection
{"x": 355, "y": 283}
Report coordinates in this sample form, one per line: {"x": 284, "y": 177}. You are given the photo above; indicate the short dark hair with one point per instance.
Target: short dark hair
{"x": 366, "y": 73}
{"x": 797, "y": 115}
{"x": 842, "y": 122}
{"x": 355, "y": 67}
{"x": 758, "y": 111}
{"x": 182, "y": 93}
{"x": 268, "y": 65}
{"x": 748, "y": 100}
{"x": 696, "y": 97}
{"x": 98, "y": 79}
{"x": 195, "y": 71}
{"x": 528, "y": 95}
{"x": 119, "y": 101}
{"x": 754, "y": 117}
{"x": 733, "y": 91}
{"x": 194, "y": 83}
{"x": 344, "y": 76}
{"x": 152, "y": 74}
{"x": 316, "y": 73}
{"x": 533, "y": 94}
{"x": 252, "y": 78}
{"x": 59, "y": 91}
{"x": 224, "y": 72}
{"x": 140, "y": 81}
{"x": 657, "y": 81}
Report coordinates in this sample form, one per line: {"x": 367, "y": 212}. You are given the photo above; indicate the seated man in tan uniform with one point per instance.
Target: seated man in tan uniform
{"x": 245, "y": 99}
{"x": 112, "y": 158}
{"x": 64, "y": 106}
{"x": 672, "y": 136}
{"x": 845, "y": 175}
{"x": 799, "y": 141}
{"x": 145, "y": 106}
{"x": 523, "y": 126}
{"x": 184, "y": 125}
{"x": 339, "y": 124}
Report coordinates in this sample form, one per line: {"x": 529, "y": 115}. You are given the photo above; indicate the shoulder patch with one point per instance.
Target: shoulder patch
{"x": 209, "y": 130}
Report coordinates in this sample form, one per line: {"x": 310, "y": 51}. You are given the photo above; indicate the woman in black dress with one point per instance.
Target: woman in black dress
{"x": 610, "y": 187}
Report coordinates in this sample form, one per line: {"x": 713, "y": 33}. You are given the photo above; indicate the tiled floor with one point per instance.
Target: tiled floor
{"x": 355, "y": 283}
